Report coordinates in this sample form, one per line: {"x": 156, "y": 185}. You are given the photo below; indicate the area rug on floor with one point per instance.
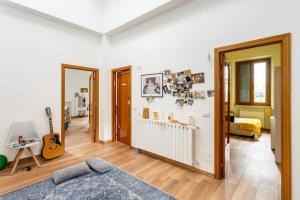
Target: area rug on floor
{"x": 113, "y": 185}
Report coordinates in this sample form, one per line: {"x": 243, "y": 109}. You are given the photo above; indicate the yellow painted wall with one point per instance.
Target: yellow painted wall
{"x": 273, "y": 51}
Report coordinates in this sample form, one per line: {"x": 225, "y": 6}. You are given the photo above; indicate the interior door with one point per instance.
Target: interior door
{"x": 92, "y": 109}
{"x": 123, "y": 108}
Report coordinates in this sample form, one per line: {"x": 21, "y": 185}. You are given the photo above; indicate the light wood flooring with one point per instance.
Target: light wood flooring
{"x": 251, "y": 172}
{"x": 77, "y": 134}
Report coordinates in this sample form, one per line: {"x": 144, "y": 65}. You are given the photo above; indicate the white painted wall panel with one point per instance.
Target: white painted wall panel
{"x": 75, "y": 80}
{"x": 32, "y": 50}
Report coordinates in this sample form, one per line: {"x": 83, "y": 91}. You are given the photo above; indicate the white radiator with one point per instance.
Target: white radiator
{"x": 253, "y": 113}
{"x": 165, "y": 139}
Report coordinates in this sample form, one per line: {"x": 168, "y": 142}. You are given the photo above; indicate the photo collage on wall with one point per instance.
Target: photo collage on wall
{"x": 178, "y": 85}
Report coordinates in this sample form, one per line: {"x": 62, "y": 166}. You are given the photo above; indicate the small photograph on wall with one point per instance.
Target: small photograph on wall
{"x": 188, "y": 79}
{"x": 210, "y": 93}
{"x": 166, "y": 90}
{"x": 188, "y": 95}
{"x": 169, "y": 80}
{"x": 167, "y": 73}
{"x": 188, "y": 86}
{"x": 175, "y": 93}
{"x": 170, "y": 87}
{"x": 152, "y": 85}
{"x": 179, "y": 102}
{"x": 174, "y": 76}
{"x": 199, "y": 94}
{"x": 189, "y": 101}
{"x": 180, "y": 76}
{"x": 84, "y": 90}
{"x": 198, "y": 78}
{"x": 187, "y": 72}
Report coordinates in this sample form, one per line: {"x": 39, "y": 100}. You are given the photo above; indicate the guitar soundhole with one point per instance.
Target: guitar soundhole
{"x": 52, "y": 140}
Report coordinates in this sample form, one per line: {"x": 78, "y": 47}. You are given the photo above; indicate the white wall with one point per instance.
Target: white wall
{"x": 75, "y": 80}
{"x": 85, "y": 13}
{"x": 119, "y": 12}
{"x": 182, "y": 37}
{"x": 32, "y": 50}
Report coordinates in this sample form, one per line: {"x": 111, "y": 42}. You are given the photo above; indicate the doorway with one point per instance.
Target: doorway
{"x": 121, "y": 105}
{"x": 79, "y": 105}
{"x": 222, "y": 111}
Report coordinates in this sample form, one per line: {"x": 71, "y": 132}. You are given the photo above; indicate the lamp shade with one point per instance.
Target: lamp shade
{"x": 26, "y": 129}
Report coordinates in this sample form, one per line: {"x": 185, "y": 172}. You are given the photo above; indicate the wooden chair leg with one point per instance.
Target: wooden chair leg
{"x": 33, "y": 156}
{"x": 16, "y": 161}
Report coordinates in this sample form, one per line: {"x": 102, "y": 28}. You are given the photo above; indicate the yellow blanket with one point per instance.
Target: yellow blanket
{"x": 251, "y": 125}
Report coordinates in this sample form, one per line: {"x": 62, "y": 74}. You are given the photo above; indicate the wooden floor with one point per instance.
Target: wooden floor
{"x": 251, "y": 172}
{"x": 77, "y": 134}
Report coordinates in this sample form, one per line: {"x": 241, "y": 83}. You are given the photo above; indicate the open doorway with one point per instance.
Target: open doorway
{"x": 252, "y": 102}
{"x": 80, "y": 115}
{"x": 121, "y": 105}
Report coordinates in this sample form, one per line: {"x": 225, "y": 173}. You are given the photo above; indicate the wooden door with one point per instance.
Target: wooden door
{"x": 123, "y": 107}
{"x": 92, "y": 109}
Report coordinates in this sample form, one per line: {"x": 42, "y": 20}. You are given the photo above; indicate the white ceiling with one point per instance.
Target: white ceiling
{"x": 100, "y": 16}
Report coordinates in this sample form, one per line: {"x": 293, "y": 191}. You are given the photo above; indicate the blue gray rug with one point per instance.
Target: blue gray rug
{"x": 113, "y": 185}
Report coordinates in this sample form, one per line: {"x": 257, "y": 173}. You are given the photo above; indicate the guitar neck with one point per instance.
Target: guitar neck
{"x": 51, "y": 126}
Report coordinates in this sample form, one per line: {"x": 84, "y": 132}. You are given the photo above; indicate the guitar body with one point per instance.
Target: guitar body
{"x": 52, "y": 147}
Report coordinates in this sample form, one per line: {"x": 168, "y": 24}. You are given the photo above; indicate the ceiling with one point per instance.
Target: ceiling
{"x": 99, "y": 16}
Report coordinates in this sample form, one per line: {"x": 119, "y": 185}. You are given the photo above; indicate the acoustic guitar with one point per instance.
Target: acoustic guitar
{"x": 52, "y": 146}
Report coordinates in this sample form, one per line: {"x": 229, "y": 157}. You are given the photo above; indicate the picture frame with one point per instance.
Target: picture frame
{"x": 199, "y": 94}
{"x": 198, "y": 78}
{"x": 152, "y": 85}
{"x": 210, "y": 93}
{"x": 167, "y": 72}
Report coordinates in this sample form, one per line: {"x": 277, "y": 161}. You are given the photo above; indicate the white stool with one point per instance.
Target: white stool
{"x": 27, "y": 131}
{"x": 19, "y": 154}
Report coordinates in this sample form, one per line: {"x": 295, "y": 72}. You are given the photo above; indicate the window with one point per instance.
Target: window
{"x": 253, "y": 82}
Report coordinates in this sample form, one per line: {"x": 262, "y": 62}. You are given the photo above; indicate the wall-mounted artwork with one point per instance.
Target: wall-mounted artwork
{"x": 152, "y": 85}
{"x": 167, "y": 72}
{"x": 187, "y": 72}
{"x": 178, "y": 84}
{"x": 166, "y": 89}
{"x": 210, "y": 93}
{"x": 198, "y": 78}
{"x": 84, "y": 90}
{"x": 199, "y": 94}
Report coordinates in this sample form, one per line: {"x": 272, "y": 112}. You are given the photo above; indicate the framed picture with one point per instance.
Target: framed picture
{"x": 198, "y": 78}
{"x": 166, "y": 90}
{"x": 210, "y": 93}
{"x": 152, "y": 85}
{"x": 84, "y": 90}
{"x": 187, "y": 72}
{"x": 199, "y": 94}
{"x": 167, "y": 72}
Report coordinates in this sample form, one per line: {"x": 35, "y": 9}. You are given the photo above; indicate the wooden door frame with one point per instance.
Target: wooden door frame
{"x": 63, "y": 84}
{"x": 113, "y": 96}
{"x": 285, "y": 41}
